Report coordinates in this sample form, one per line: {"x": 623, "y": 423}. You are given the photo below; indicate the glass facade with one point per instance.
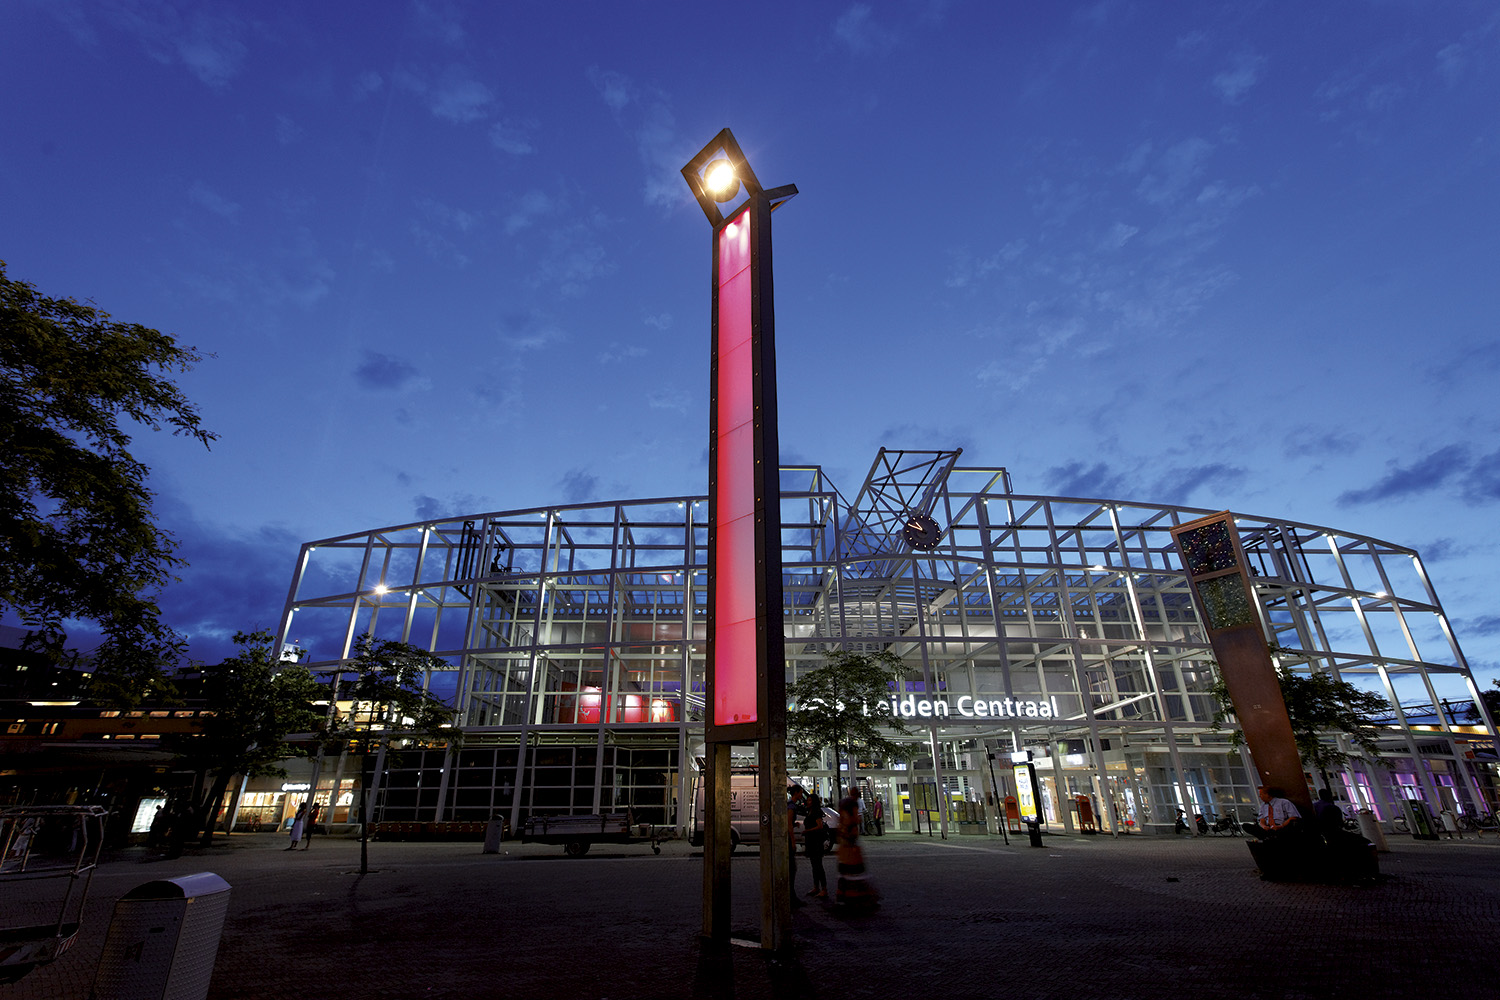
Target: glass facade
{"x": 1059, "y": 626}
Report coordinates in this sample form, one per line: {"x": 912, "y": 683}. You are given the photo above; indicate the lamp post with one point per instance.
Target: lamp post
{"x": 746, "y": 660}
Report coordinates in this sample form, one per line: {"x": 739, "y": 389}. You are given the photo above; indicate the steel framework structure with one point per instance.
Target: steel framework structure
{"x": 583, "y": 625}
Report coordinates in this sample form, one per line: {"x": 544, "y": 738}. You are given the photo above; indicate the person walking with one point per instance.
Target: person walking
{"x": 855, "y": 891}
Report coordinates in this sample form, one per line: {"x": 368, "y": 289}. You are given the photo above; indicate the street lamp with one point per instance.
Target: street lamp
{"x": 746, "y": 658}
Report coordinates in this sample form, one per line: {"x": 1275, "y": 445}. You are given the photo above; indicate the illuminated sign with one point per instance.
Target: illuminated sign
{"x": 295, "y": 786}
{"x": 1026, "y": 791}
{"x": 969, "y": 707}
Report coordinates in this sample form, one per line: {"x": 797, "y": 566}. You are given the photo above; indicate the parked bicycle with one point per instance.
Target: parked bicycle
{"x": 1226, "y": 823}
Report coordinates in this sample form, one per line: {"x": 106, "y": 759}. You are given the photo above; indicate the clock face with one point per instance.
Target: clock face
{"x": 921, "y": 531}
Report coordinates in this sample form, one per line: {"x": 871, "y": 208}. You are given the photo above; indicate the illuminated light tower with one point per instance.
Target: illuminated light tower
{"x": 746, "y": 661}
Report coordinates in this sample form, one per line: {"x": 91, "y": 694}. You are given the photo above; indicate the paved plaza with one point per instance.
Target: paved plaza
{"x": 970, "y": 917}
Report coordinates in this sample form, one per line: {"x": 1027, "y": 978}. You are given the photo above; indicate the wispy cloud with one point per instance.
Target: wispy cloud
{"x": 530, "y": 207}
{"x": 529, "y": 332}
{"x": 436, "y": 228}
{"x": 578, "y": 486}
{"x": 367, "y": 84}
{"x": 1080, "y": 479}
{"x": 1423, "y": 476}
{"x": 617, "y": 352}
{"x": 512, "y": 137}
{"x": 1482, "y": 483}
{"x": 574, "y": 257}
{"x": 233, "y": 581}
{"x": 1306, "y": 441}
{"x": 858, "y": 30}
{"x": 669, "y": 399}
{"x": 287, "y": 130}
{"x": 386, "y": 372}
{"x": 646, "y": 114}
{"x": 966, "y": 268}
{"x": 1180, "y": 484}
{"x": 1243, "y": 72}
{"x": 206, "y": 41}
{"x": 204, "y": 197}
{"x": 454, "y": 96}
{"x": 438, "y": 20}
{"x": 430, "y": 508}
{"x": 1175, "y": 171}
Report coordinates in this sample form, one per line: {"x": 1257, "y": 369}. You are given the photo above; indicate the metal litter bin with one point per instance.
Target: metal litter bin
{"x": 163, "y": 940}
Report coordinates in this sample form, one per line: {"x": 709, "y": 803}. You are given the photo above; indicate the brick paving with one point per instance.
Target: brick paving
{"x": 1081, "y": 917}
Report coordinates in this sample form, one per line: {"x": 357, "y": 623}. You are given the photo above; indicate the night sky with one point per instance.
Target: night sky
{"x": 443, "y": 261}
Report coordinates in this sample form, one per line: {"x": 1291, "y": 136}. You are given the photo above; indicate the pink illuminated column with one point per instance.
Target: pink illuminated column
{"x": 746, "y": 655}
{"x": 734, "y": 551}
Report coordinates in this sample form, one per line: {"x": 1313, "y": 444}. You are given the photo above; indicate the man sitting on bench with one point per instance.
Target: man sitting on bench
{"x": 1279, "y": 817}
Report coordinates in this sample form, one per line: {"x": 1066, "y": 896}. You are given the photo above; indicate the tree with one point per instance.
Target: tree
{"x": 257, "y": 700}
{"x": 844, "y": 706}
{"x": 389, "y": 705}
{"x": 76, "y": 528}
{"x": 1491, "y": 697}
{"x": 1319, "y": 705}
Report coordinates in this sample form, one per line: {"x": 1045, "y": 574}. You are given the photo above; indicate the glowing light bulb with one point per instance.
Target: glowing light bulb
{"x": 720, "y": 180}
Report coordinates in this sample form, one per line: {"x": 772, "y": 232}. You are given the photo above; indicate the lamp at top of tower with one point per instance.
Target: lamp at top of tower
{"x": 720, "y": 176}
{"x": 721, "y": 180}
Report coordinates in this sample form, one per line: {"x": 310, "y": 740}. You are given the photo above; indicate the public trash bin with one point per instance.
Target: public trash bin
{"x": 494, "y": 833}
{"x": 1369, "y": 828}
{"x": 163, "y": 940}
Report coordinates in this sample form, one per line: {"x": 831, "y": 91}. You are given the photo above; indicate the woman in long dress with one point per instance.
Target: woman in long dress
{"x": 298, "y": 823}
{"x": 855, "y": 891}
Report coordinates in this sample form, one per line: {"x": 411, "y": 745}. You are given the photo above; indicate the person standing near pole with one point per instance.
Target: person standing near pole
{"x": 307, "y": 827}
{"x": 815, "y": 844}
{"x": 794, "y": 799}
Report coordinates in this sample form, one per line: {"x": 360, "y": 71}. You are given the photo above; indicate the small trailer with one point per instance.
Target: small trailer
{"x": 577, "y": 834}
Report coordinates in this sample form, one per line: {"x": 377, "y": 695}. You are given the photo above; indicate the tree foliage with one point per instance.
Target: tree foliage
{"x": 257, "y": 700}
{"x": 844, "y": 706}
{"x": 76, "y": 528}
{"x": 1491, "y": 696}
{"x": 390, "y": 706}
{"x": 1318, "y": 707}
{"x": 389, "y": 699}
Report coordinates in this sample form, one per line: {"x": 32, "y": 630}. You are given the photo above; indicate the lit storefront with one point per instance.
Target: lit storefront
{"x": 1059, "y": 629}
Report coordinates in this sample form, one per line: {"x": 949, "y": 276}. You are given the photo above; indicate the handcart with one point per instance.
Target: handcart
{"x": 50, "y": 853}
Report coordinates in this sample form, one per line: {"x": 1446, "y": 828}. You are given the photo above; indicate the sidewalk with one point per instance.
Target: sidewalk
{"x": 1081, "y": 917}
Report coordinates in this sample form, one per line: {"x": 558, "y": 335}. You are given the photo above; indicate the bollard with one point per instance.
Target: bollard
{"x": 1034, "y": 831}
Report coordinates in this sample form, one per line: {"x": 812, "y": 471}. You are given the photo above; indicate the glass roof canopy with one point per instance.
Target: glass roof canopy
{"x": 592, "y": 615}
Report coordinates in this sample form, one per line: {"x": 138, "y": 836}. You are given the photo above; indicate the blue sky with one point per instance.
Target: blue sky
{"x": 1229, "y": 255}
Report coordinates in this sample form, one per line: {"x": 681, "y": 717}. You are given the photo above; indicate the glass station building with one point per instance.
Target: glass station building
{"x": 1059, "y": 627}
